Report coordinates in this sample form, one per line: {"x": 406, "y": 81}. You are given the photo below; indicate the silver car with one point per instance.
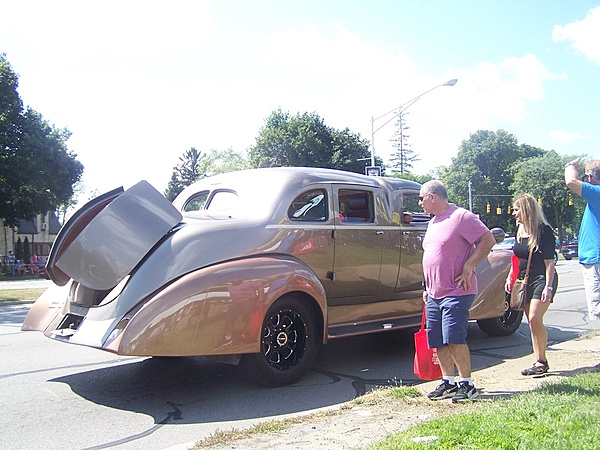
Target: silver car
{"x": 257, "y": 267}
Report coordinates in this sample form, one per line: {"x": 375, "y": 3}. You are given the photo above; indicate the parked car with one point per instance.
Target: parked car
{"x": 507, "y": 244}
{"x": 570, "y": 249}
{"x": 256, "y": 267}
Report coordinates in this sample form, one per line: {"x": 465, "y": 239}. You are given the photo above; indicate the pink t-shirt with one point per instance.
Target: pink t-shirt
{"x": 447, "y": 245}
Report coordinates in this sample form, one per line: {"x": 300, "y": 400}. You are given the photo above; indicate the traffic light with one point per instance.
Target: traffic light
{"x": 508, "y": 209}
{"x": 488, "y": 208}
{"x": 570, "y": 201}
{"x": 498, "y": 210}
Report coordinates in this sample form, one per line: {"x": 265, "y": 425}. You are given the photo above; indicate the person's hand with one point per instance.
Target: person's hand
{"x": 508, "y": 286}
{"x": 576, "y": 163}
{"x": 464, "y": 279}
{"x": 424, "y": 296}
{"x": 546, "y": 295}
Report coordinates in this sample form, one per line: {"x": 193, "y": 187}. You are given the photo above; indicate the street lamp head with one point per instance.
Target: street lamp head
{"x": 451, "y": 82}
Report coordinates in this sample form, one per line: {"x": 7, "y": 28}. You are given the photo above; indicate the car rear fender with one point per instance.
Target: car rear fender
{"x": 217, "y": 310}
{"x": 48, "y": 308}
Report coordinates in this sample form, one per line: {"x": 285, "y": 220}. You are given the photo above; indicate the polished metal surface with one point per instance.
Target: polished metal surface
{"x": 198, "y": 277}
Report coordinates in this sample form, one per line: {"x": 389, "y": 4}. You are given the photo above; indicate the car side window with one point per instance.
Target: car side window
{"x": 218, "y": 201}
{"x": 355, "y": 206}
{"x": 222, "y": 201}
{"x": 309, "y": 206}
{"x": 412, "y": 212}
{"x": 411, "y": 203}
{"x": 197, "y": 202}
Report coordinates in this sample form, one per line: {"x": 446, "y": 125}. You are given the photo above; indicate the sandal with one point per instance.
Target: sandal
{"x": 539, "y": 367}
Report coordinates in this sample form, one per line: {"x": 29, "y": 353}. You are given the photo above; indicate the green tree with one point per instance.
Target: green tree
{"x": 543, "y": 177}
{"x": 195, "y": 165}
{"x": 305, "y": 141}
{"x": 404, "y": 156}
{"x": 26, "y": 250}
{"x": 185, "y": 173}
{"x": 11, "y": 108}
{"x": 19, "y": 249}
{"x": 223, "y": 161}
{"x": 65, "y": 208}
{"x": 37, "y": 171}
{"x": 421, "y": 179}
{"x": 485, "y": 160}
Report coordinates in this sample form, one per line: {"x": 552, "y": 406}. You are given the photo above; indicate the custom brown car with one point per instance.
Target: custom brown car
{"x": 257, "y": 267}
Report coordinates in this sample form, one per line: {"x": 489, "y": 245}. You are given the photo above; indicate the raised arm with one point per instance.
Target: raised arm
{"x": 571, "y": 176}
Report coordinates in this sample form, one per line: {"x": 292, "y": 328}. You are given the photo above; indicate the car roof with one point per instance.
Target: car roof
{"x": 271, "y": 178}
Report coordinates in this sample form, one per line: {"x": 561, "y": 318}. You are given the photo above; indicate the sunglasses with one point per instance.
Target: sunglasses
{"x": 424, "y": 197}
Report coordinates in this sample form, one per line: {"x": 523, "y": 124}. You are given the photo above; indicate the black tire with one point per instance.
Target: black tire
{"x": 504, "y": 325}
{"x": 289, "y": 344}
{"x": 568, "y": 257}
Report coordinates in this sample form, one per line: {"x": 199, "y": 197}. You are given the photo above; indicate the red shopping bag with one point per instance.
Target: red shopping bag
{"x": 427, "y": 365}
{"x": 515, "y": 269}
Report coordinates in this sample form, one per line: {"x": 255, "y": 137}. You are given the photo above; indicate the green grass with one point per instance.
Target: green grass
{"x": 7, "y": 295}
{"x": 564, "y": 415}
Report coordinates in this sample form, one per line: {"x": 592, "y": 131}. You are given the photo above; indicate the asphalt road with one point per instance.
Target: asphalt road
{"x": 57, "y": 396}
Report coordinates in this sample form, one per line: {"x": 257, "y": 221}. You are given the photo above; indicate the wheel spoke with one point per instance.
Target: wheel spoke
{"x": 284, "y": 337}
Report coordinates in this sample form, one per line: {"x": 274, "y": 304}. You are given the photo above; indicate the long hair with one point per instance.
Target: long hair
{"x": 531, "y": 219}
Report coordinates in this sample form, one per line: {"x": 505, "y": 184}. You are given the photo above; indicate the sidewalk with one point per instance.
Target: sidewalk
{"x": 32, "y": 283}
{"x": 565, "y": 358}
{"x": 359, "y": 424}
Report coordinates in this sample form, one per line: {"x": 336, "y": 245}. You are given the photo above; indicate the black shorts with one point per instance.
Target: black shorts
{"x": 536, "y": 286}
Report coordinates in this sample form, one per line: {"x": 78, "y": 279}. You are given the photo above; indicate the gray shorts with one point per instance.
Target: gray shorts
{"x": 448, "y": 320}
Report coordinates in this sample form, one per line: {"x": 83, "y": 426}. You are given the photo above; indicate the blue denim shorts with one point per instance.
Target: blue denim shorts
{"x": 448, "y": 320}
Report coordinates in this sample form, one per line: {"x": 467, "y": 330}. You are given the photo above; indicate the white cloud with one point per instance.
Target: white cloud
{"x": 133, "y": 114}
{"x": 347, "y": 79}
{"x": 565, "y": 136}
{"x": 584, "y": 35}
{"x": 501, "y": 90}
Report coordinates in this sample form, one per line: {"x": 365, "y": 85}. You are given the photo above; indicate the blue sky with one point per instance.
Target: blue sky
{"x": 140, "y": 82}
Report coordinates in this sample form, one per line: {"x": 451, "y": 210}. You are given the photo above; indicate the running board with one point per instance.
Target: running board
{"x": 339, "y": 331}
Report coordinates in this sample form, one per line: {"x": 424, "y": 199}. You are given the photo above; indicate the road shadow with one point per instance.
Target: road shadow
{"x": 191, "y": 390}
{"x": 13, "y": 313}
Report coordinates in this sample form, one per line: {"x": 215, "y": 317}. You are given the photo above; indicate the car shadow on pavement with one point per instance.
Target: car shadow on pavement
{"x": 196, "y": 390}
{"x": 186, "y": 390}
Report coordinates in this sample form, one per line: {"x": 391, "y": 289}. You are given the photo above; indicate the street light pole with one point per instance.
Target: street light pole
{"x": 403, "y": 107}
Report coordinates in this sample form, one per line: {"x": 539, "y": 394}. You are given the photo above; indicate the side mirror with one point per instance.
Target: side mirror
{"x": 498, "y": 234}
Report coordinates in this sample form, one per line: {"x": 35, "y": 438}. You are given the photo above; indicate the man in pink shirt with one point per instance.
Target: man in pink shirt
{"x": 455, "y": 242}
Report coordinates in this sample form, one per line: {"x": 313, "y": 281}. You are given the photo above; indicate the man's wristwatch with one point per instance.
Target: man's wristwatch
{"x": 568, "y": 164}
{"x": 549, "y": 287}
